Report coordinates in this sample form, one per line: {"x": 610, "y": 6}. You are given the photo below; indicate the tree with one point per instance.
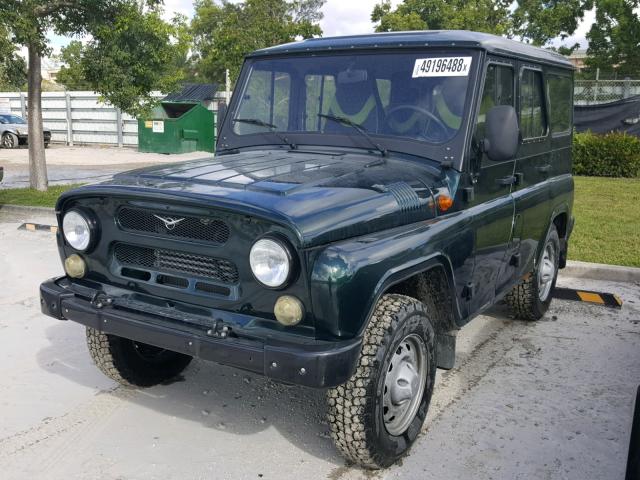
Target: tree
{"x": 540, "y": 21}
{"x": 534, "y": 21}
{"x": 490, "y": 16}
{"x": 131, "y": 35}
{"x": 13, "y": 68}
{"x": 614, "y": 38}
{"x": 72, "y": 74}
{"x": 132, "y": 55}
{"x": 224, "y": 33}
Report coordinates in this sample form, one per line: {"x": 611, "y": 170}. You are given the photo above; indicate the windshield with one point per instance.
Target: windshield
{"x": 12, "y": 119}
{"x": 401, "y": 95}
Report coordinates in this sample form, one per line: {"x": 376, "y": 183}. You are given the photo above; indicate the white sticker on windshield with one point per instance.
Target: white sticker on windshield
{"x": 442, "y": 67}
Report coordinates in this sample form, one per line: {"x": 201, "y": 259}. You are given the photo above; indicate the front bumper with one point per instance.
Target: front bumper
{"x": 307, "y": 362}
{"x": 23, "y": 138}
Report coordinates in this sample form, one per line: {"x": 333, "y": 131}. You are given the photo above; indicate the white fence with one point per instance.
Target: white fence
{"x": 80, "y": 118}
{"x": 592, "y": 92}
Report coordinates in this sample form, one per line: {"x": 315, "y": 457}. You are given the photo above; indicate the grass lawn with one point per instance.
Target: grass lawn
{"x": 34, "y": 198}
{"x": 607, "y": 212}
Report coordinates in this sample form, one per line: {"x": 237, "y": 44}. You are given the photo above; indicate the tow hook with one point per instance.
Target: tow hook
{"x": 219, "y": 330}
{"x": 100, "y": 300}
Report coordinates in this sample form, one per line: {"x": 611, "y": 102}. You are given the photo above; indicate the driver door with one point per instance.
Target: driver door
{"x": 493, "y": 202}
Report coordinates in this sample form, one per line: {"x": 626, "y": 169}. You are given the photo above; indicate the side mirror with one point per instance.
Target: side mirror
{"x": 502, "y": 134}
{"x": 222, "y": 111}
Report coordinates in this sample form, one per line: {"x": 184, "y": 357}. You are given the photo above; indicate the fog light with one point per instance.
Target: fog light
{"x": 75, "y": 266}
{"x": 288, "y": 310}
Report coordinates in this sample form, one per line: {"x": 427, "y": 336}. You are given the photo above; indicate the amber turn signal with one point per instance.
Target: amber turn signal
{"x": 75, "y": 266}
{"x": 445, "y": 202}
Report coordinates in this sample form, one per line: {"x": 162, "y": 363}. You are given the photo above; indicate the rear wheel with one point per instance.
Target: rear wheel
{"x": 376, "y": 416}
{"x": 133, "y": 363}
{"x": 530, "y": 299}
{"x": 9, "y": 140}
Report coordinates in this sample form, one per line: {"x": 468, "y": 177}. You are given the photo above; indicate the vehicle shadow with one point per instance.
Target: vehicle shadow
{"x": 209, "y": 395}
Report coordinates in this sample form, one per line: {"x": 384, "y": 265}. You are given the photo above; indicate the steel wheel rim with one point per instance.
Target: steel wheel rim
{"x": 7, "y": 141}
{"x": 404, "y": 384}
{"x": 546, "y": 271}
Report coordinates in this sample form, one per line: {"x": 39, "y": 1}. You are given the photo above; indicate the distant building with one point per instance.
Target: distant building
{"x": 50, "y": 69}
{"x": 578, "y": 59}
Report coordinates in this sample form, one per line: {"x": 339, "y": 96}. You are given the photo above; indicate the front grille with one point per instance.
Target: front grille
{"x": 204, "y": 229}
{"x": 162, "y": 260}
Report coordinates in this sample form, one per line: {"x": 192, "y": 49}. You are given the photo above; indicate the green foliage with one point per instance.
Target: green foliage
{"x": 490, "y": 16}
{"x": 535, "y": 21}
{"x": 71, "y": 74}
{"x": 611, "y": 155}
{"x": 13, "y": 69}
{"x": 224, "y": 33}
{"x": 613, "y": 37}
{"x": 130, "y": 55}
{"x": 540, "y": 21}
{"x": 132, "y": 51}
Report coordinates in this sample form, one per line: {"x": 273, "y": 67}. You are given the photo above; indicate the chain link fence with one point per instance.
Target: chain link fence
{"x": 593, "y": 92}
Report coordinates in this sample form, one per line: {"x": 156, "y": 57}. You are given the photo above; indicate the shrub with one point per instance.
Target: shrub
{"x": 611, "y": 155}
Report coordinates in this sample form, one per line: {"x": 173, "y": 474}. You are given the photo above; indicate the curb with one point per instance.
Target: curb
{"x": 599, "y": 271}
{"x": 27, "y": 210}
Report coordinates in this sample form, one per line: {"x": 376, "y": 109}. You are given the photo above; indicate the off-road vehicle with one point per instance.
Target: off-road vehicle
{"x": 369, "y": 196}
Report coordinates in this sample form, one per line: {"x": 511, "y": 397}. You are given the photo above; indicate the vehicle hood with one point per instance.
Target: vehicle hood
{"x": 322, "y": 196}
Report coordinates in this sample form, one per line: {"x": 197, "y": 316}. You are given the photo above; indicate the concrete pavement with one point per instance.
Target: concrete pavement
{"x": 551, "y": 399}
{"x": 81, "y": 164}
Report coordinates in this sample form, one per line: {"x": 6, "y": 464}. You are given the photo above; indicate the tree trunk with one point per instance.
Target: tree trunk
{"x": 37, "y": 161}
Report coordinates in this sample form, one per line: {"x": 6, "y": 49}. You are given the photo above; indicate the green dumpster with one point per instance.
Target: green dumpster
{"x": 177, "y": 127}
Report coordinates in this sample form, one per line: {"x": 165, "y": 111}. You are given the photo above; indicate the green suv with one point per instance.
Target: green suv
{"x": 369, "y": 196}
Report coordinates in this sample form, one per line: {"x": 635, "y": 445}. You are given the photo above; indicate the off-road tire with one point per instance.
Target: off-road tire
{"x": 9, "y": 140}
{"x": 524, "y": 299}
{"x": 355, "y": 408}
{"x": 119, "y": 359}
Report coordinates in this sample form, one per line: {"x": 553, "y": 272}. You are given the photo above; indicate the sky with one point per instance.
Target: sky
{"x": 341, "y": 17}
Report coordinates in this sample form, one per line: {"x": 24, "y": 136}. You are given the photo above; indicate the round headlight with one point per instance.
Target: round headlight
{"x": 77, "y": 232}
{"x": 270, "y": 262}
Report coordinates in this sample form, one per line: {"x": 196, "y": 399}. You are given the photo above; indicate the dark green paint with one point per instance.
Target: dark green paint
{"x": 354, "y": 235}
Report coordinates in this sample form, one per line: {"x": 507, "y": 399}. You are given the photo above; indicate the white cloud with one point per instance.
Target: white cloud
{"x": 348, "y": 17}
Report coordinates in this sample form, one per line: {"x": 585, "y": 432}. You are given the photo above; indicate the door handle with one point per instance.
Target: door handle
{"x": 506, "y": 181}
{"x": 544, "y": 168}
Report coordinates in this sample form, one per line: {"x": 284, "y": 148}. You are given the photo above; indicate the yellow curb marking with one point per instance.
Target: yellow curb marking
{"x": 591, "y": 297}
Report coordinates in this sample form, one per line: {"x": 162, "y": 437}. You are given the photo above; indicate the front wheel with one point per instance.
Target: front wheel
{"x": 9, "y": 140}
{"x": 530, "y": 299}
{"x": 133, "y": 363}
{"x": 376, "y": 416}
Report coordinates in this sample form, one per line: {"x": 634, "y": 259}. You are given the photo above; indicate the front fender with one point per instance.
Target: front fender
{"x": 348, "y": 278}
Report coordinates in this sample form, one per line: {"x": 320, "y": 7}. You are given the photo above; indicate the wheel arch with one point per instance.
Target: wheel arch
{"x": 430, "y": 281}
{"x": 560, "y": 218}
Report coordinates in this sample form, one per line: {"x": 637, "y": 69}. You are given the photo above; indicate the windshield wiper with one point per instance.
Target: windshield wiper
{"x": 270, "y": 126}
{"x": 356, "y": 126}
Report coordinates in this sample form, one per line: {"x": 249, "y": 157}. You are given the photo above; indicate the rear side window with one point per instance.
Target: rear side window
{"x": 560, "y": 94}
{"x": 533, "y": 121}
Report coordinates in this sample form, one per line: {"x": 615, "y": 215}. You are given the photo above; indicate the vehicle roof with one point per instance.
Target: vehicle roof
{"x": 430, "y": 38}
